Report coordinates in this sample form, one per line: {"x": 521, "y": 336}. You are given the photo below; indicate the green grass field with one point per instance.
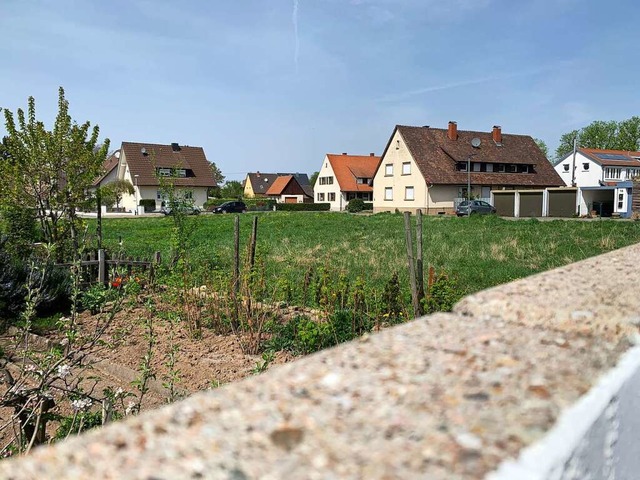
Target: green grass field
{"x": 478, "y": 252}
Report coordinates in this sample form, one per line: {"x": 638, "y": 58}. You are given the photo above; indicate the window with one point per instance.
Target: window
{"x": 321, "y": 197}
{"x": 501, "y": 168}
{"x": 331, "y": 196}
{"x": 462, "y": 166}
{"x": 326, "y": 180}
{"x": 525, "y": 169}
{"x": 513, "y": 168}
{"x": 388, "y": 193}
{"x": 631, "y": 172}
{"x": 612, "y": 172}
{"x": 476, "y": 167}
{"x": 585, "y": 167}
{"x": 565, "y": 166}
{"x": 406, "y": 168}
{"x": 164, "y": 172}
{"x": 388, "y": 170}
{"x": 362, "y": 181}
{"x": 408, "y": 193}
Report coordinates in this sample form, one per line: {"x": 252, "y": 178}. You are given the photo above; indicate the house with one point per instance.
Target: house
{"x": 433, "y": 169}
{"x": 345, "y": 177}
{"x": 604, "y": 178}
{"x": 287, "y": 189}
{"x": 149, "y": 166}
{"x": 257, "y": 184}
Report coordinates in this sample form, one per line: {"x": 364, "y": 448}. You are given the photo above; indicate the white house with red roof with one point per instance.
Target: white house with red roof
{"x": 342, "y": 178}
{"x": 604, "y": 178}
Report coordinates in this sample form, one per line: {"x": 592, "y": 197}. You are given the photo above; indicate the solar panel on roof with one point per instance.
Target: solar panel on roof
{"x": 612, "y": 156}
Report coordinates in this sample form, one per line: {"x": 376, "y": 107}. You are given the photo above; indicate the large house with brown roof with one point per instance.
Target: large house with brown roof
{"x": 256, "y": 184}
{"x": 150, "y": 166}
{"x": 343, "y": 178}
{"x": 430, "y": 168}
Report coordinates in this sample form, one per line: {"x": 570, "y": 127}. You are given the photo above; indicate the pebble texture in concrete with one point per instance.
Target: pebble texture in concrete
{"x": 444, "y": 397}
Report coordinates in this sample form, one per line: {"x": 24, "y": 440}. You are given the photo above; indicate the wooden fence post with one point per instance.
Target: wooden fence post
{"x": 236, "y": 271}
{"x": 254, "y": 239}
{"x": 419, "y": 262}
{"x": 102, "y": 270}
{"x": 412, "y": 272}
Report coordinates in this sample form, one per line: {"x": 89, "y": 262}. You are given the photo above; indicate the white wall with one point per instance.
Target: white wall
{"x": 585, "y": 177}
{"x": 326, "y": 170}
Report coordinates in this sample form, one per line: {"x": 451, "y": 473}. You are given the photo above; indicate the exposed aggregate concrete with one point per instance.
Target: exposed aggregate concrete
{"x": 447, "y": 396}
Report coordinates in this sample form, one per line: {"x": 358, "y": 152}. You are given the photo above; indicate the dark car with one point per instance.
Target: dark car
{"x": 231, "y": 207}
{"x": 186, "y": 209}
{"x": 472, "y": 207}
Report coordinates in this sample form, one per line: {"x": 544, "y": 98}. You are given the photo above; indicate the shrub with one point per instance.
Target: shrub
{"x": 303, "y": 207}
{"x": 356, "y": 205}
{"x": 442, "y": 295}
{"x": 21, "y": 230}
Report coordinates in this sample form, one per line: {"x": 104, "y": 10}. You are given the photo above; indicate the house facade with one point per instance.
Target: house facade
{"x": 342, "y": 178}
{"x": 604, "y": 178}
{"x": 432, "y": 169}
{"x": 287, "y": 189}
{"x": 152, "y": 167}
{"x": 256, "y": 184}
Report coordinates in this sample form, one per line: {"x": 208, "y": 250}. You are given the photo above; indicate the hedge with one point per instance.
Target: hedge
{"x": 303, "y": 207}
{"x": 149, "y": 204}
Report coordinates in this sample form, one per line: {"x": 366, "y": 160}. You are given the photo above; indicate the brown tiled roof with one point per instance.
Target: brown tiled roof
{"x": 108, "y": 165}
{"x": 347, "y": 168}
{"x": 289, "y": 184}
{"x": 163, "y": 156}
{"x": 628, "y": 161}
{"x": 436, "y": 156}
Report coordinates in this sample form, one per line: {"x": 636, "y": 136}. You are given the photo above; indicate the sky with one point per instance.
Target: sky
{"x": 274, "y": 85}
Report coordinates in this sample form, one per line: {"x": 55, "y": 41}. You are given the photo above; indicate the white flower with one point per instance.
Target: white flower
{"x": 81, "y": 404}
{"x": 64, "y": 371}
{"x": 30, "y": 368}
{"x": 130, "y": 408}
{"x": 119, "y": 392}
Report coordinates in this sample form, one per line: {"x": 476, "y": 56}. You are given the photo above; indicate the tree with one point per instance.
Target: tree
{"x": 218, "y": 177}
{"x": 313, "y": 178}
{"x": 232, "y": 189}
{"x": 623, "y": 135}
{"x": 542, "y": 146}
{"x": 50, "y": 170}
{"x": 112, "y": 192}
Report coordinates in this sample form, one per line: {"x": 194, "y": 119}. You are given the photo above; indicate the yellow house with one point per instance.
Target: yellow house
{"x": 433, "y": 169}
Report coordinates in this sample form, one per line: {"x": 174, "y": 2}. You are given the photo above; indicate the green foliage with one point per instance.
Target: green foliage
{"x": 542, "y": 146}
{"x": 149, "y": 204}
{"x": 391, "y": 307}
{"x": 232, "y": 189}
{"x": 78, "y": 423}
{"x": 95, "y": 297}
{"x": 20, "y": 229}
{"x": 50, "y": 170}
{"x": 218, "y": 177}
{"x": 614, "y": 135}
{"x": 303, "y": 207}
{"x": 313, "y": 178}
{"x": 356, "y": 205}
{"x": 112, "y": 192}
{"x": 442, "y": 295}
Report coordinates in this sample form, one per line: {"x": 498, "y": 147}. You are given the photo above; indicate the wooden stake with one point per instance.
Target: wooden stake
{"x": 419, "y": 262}
{"x": 412, "y": 273}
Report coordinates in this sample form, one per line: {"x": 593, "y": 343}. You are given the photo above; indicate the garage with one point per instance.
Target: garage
{"x": 531, "y": 203}
{"x": 504, "y": 201}
{"x": 562, "y": 202}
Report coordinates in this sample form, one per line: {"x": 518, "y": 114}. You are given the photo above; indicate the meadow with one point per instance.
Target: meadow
{"x": 477, "y": 252}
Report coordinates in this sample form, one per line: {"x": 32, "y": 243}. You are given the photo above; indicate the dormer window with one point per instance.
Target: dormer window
{"x": 501, "y": 168}
{"x": 462, "y": 166}
{"x": 513, "y": 168}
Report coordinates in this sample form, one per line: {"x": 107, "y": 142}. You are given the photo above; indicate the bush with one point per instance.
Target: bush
{"x": 21, "y": 230}
{"x": 149, "y": 204}
{"x": 442, "y": 295}
{"x": 356, "y": 205}
{"x": 303, "y": 207}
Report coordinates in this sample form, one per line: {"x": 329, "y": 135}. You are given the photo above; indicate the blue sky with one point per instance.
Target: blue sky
{"x": 273, "y": 85}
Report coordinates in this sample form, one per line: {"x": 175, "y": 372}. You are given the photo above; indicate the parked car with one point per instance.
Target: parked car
{"x": 472, "y": 207}
{"x": 231, "y": 207}
{"x": 186, "y": 209}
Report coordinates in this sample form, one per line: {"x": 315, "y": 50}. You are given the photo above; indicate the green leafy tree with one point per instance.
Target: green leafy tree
{"x": 50, "y": 171}
{"x": 217, "y": 174}
{"x": 113, "y": 192}
{"x": 232, "y": 189}
{"x": 313, "y": 178}
{"x": 623, "y": 135}
{"x": 542, "y": 146}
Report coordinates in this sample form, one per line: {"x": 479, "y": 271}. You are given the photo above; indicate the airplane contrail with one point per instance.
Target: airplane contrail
{"x": 294, "y": 18}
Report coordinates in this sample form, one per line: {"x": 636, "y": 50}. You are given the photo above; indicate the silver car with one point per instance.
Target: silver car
{"x": 472, "y": 207}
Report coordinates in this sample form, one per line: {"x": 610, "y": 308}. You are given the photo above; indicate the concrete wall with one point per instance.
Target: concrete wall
{"x": 530, "y": 380}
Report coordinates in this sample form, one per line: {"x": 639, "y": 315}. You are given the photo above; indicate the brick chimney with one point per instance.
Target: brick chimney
{"x": 452, "y": 133}
{"x": 497, "y": 134}
{"x": 372, "y": 154}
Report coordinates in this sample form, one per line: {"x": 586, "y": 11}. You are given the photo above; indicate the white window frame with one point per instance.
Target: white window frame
{"x": 406, "y": 168}
{"x": 331, "y": 196}
{"x": 502, "y": 168}
{"x": 409, "y": 194}
{"x": 612, "y": 173}
{"x": 388, "y": 193}
{"x": 321, "y": 197}
{"x": 388, "y": 170}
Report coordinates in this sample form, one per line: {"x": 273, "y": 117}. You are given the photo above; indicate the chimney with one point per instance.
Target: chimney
{"x": 372, "y": 154}
{"x": 175, "y": 147}
{"x": 344, "y": 153}
{"x": 452, "y": 133}
{"x": 497, "y": 134}
{"x": 258, "y": 174}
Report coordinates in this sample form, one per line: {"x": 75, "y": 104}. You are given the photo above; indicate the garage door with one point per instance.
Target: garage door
{"x": 504, "y": 203}
{"x": 530, "y": 204}
{"x": 562, "y": 203}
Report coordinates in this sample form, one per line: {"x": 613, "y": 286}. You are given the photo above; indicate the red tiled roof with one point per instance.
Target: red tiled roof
{"x": 163, "y": 156}
{"x": 348, "y": 168}
{"x": 436, "y": 156}
{"x": 279, "y": 185}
